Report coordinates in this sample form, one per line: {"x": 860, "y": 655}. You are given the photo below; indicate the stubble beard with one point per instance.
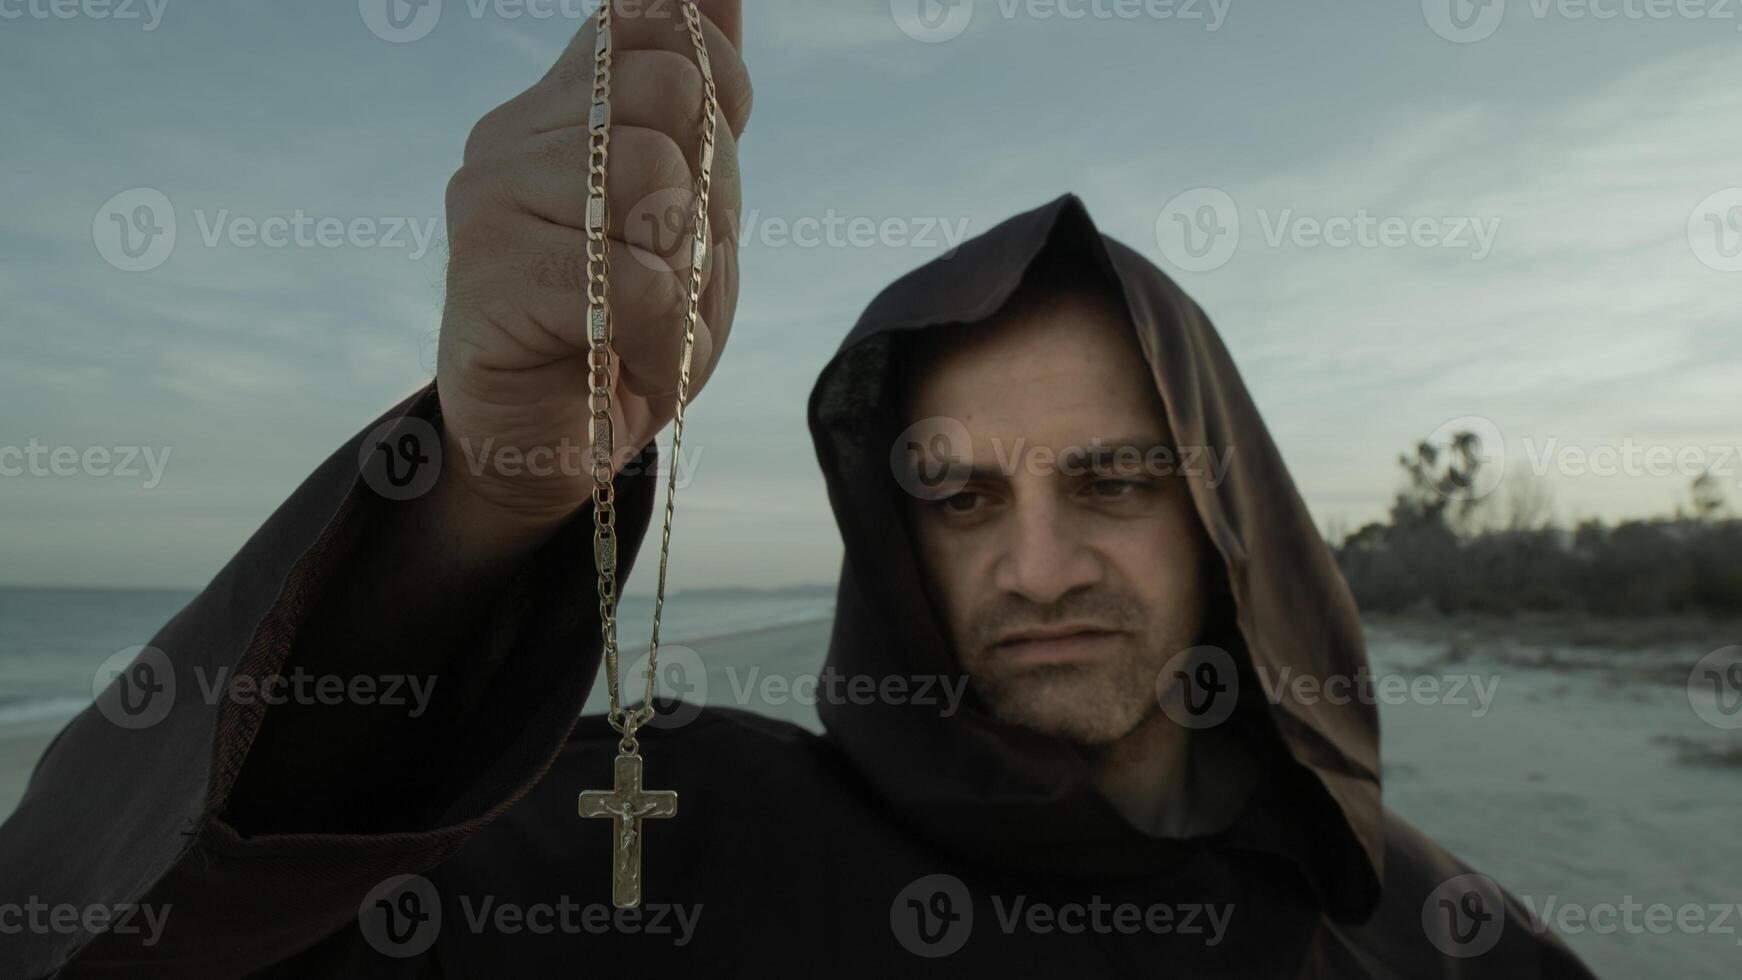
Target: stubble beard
{"x": 1088, "y": 704}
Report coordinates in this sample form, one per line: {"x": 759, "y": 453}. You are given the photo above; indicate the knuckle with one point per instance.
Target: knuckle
{"x": 483, "y": 134}
{"x": 665, "y": 164}
{"x": 679, "y": 81}
{"x": 492, "y": 128}
{"x": 563, "y": 151}
{"x": 673, "y": 293}
{"x": 471, "y": 225}
{"x": 572, "y": 73}
{"x": 737, "y": 98}
{"x": 459, "y": 191}
{"x": 559, "y": 267}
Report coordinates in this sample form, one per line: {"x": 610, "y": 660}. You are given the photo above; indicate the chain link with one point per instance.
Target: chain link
{"x": 600, "y": 363}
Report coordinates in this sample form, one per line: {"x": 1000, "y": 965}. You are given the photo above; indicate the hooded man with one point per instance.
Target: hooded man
{"x": 1050, "y": 483}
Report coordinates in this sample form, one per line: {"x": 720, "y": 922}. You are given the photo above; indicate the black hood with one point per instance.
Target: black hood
{"x": 998, "y": 793}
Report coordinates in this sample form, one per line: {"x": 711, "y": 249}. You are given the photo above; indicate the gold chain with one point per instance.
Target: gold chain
{"x": 599, "y": 356}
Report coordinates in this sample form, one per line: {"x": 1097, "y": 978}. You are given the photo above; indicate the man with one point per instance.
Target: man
{"x": 1115, "y": 799}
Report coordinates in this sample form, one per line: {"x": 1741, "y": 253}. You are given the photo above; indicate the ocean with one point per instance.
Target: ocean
{"x": 52, "y": 641}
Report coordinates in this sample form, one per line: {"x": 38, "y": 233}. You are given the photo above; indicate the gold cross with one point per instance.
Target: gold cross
{"x": 626, "y": 804}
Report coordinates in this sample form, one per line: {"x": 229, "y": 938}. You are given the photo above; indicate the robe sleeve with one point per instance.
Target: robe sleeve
{"x": 138, "y": 816}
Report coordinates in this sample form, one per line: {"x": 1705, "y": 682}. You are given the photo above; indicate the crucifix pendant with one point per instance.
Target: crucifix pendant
{"x": 626, "y": 803}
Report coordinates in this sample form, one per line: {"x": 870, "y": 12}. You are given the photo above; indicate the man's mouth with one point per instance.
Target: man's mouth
{"x": 1054, "y": 645}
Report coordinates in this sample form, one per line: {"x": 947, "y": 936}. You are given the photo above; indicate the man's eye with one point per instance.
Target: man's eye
{"x": 1116, "y": 489}
{"x": 960, "y": 503}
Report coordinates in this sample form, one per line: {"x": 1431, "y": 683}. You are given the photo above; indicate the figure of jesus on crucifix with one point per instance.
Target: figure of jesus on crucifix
{"x": 626, "y": 803}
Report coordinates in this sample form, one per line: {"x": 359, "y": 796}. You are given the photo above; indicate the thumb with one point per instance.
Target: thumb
{"x": 728, "y": 16}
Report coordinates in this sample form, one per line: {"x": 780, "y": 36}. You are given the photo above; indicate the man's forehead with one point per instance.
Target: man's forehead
{"x": 1058, "y": 398}
{"x": 1060, "y": 374}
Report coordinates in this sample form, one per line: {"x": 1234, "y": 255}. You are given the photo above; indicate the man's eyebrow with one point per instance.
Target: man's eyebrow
{"x": 1116, "y": 455}
{"x": 1101, "y": 454}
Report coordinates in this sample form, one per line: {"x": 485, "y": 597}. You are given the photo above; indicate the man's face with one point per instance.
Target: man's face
{"x": 1102, "y": 557}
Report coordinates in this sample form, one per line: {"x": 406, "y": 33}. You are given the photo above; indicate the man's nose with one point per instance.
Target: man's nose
{"x": 1045, "y": 555}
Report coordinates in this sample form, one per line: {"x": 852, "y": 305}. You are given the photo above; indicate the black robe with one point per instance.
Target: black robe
{"x": 899, "y": 843}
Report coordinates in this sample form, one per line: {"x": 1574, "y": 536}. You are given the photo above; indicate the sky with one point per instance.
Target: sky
{"x": 1523, "y": 218}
